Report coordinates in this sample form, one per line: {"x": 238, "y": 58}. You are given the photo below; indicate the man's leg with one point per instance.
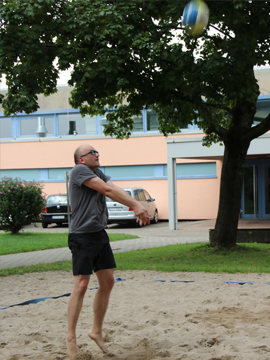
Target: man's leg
{"x": 74, "y": 309}
{"x": 100, "y": 305}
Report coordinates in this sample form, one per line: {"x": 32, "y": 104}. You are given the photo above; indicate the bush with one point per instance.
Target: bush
{"x": 21, "y": 203}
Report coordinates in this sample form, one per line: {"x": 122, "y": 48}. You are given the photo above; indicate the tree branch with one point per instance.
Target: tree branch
{"x": 258, "y": 130}
{"x": 222, "y": 32}
{"x": 219, "y": 130}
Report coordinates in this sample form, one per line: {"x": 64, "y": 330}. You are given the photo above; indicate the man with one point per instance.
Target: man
{"x": 89, "y": 242}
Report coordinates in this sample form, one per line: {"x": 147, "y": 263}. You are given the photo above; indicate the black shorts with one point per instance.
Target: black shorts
{"x": 91, "y": 252}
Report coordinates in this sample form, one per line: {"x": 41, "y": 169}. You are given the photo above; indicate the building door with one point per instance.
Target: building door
{"x": 256, "y": 189}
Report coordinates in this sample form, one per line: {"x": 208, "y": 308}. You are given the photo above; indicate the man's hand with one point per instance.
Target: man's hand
{"x": 142, "y": 213}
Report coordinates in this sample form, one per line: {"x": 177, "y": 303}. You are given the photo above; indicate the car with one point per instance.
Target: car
{"x": 119, "y": 213}
{"x": 55, "y": 211}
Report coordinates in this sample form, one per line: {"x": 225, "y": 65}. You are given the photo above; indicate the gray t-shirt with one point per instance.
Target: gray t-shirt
{"x": 88, "y": 206}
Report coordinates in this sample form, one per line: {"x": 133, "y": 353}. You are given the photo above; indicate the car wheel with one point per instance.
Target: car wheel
{"x": 44, "y": 225}
{"x": 155, "y": 219}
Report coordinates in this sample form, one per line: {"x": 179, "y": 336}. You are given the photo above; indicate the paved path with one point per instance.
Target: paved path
{"x": 150, "y": 236}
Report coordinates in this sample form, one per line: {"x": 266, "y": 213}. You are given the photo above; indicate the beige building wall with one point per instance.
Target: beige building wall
{"x": 200, "y": 196}
{"x": 57, "y": 101}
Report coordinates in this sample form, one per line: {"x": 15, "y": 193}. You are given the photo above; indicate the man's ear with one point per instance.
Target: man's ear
{"x": 81, "y": 160}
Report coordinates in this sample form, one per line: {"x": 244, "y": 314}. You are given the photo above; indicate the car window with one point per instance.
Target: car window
{"x": 139, "y": 195}
{"x": 147, "y": 196}
{"x": 136, "y": 195}
{"x": 57, "y": 199}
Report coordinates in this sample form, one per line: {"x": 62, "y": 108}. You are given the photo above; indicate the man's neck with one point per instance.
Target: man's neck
{"x": 93, "y": 168}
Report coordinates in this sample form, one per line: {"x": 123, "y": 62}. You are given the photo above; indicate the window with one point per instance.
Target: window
{"x": 152, "y": 120}
{"x": 58, "y": 174}
{"x": 138, "y": 123}
{"x": 139, "y": 195}
{"x": 70, "y": 124}
{"x": 181, "y": 126}
{"x": 263, "y": 110}
{"x": 267, "y": 189}
{"x": 194, "y": 170}
{"x": 29, "y": 125}
{"x": 147, "y": 196}
{"x": 5, "y": 128}
{"x": 60, "y": 199}
{"x": 136, "y": 171}
{"x": 27, "y": 174}
{"x": 251, "y": 190}
{"x": 197, "y": 169}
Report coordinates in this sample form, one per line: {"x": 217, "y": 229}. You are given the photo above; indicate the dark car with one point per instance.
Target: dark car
{"x": 55, "y": 211}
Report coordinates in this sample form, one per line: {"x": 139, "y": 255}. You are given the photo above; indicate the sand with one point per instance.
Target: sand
{"x": 200, "y": 316}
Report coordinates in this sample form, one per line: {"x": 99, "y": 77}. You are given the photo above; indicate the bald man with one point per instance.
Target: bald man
{"x": 89, "y": 242}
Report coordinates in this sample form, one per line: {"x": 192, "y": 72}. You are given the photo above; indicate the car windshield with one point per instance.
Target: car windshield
{"x": 110, "y": 200}
{"x": 57, "y": 199}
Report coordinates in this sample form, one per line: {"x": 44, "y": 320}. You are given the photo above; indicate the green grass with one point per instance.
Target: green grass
{"x": 247, "y": 258}
{"x": 23, "y": 242}
{"x": 20, "y": 270}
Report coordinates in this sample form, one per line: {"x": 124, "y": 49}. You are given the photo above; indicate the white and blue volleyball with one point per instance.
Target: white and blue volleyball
{"x": 195, "y": 17}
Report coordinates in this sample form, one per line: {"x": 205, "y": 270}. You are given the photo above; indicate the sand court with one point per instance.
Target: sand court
{"x": 151, "y": 316}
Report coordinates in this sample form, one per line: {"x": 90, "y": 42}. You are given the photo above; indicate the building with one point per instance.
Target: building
{"x": 143, "y": 160}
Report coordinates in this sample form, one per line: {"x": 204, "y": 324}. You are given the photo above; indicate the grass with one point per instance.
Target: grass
{"x": 246, "y": 258}
{"x": 24, "y": 242}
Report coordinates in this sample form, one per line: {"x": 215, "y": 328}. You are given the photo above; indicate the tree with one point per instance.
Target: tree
{"x": 21, "y": 203}
{"x": 129, "y": 54}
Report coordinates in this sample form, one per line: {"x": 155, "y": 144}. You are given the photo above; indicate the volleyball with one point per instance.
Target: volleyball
{"x": 195, "y": 17}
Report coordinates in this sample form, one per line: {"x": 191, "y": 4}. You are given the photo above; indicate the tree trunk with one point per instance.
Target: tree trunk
{"x": 231, "y": 183}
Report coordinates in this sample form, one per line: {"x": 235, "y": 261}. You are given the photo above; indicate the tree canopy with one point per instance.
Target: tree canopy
{"x": 130, "y": 54}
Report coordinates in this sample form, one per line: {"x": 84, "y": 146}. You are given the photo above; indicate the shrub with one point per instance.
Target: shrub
{"x": 21, "y": 203}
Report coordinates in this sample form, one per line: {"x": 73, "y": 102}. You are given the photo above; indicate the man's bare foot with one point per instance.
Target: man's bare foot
{"x": 99, "y": 341}
{"x": 72, "y": 348}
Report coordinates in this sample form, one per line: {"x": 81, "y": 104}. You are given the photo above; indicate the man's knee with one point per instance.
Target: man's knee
{"x": 81, "y": 284}
{"x": 106, "y": 280}
{"x": 110, "y": 282}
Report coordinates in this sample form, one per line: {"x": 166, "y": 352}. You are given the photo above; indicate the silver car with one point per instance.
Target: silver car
{"x": 119, "y": 213}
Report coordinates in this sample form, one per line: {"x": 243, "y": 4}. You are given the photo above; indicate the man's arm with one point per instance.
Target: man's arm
{"x": 117, "y": 194}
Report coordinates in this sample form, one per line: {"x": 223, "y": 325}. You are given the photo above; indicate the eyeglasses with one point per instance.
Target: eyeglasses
{"x": 92, "y": 152}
